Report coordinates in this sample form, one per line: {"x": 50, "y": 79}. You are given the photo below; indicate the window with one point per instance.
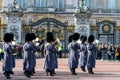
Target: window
{"x": 49, "y": 3}
{"x": 59, "y": 4}
{"x": 39, "y": 3}
{"x": 99, "y": 4}
{"x": 111, "y": 4}
{"x": 88, "y": 3}
{"x": 22, "y": 3}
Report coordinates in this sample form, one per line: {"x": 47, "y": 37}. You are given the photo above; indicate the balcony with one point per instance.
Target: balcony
{"x": 40, "y": 9}
{"x": 105, "y": 11}
{"x": 34, "y": 9}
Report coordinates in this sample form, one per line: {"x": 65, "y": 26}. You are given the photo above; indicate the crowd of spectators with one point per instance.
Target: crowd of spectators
{"x": 104, "y": 52}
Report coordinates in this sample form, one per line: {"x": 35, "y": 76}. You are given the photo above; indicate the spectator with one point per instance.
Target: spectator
{"x": 117, "y": 53}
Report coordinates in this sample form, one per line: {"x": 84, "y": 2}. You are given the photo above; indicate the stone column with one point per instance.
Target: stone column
{"x": 14, "y": 25}
{"x": 82, "y": 24}
{"x": 117, "y": 37}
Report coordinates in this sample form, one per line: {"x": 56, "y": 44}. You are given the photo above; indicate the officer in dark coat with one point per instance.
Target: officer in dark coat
{"x": 13, "y": 59}
{"x": 50, "y": 50}
{"x": 7, "y": 61}
{"x": 28, "y": 56}
{"x": 55, "y": 56}
{"x": 33, "y": 37}
{"x": 73, "y": 48}
{"x": 70, "y": 38}
{"x": 83, "y": 53}
{"x": 91, "y": 54}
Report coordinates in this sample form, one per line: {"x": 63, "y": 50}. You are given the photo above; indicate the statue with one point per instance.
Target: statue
{"x": 14, "y": 2}
{"x": 15, "y": 7}
{"x": 83, "y": 7}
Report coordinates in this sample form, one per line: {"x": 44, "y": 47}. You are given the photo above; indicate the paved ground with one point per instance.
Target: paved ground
{"x": 103, "y": 71}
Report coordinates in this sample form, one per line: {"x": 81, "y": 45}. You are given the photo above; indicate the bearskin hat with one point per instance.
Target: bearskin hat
{"x": 83, "y": 38}
{"x": 7, "y": 37}
{"x": 28, "y": 37}
{"x": 90, "y": 39}
{"x": 12, "y": 36}
{"x": 33, "y": 36}
{"x": 49, "y": 37}
{"x": 70, "y": 38}
{"x": 76, "y": 36}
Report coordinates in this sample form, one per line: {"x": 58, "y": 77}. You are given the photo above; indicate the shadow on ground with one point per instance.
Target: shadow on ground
{"x": 62, "y": 76}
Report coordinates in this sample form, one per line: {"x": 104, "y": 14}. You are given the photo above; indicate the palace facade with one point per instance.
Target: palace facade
{"x": 40, "y": 16}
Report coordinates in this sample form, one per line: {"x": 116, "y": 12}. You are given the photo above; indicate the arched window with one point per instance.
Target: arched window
{"x": 39, "y": 3}
{"x": 22, "y": 3}
{"x": 111, "y": 4}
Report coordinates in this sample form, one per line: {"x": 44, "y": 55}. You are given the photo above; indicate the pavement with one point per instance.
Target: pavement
{"x": 105, "y": 70}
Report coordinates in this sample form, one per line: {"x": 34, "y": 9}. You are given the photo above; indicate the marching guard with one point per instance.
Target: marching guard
{"x": 73, "y": 48}
{"x": 33, "y": 53}
{"x": 91, "y": 54}
{"x": 7, "y": 61}
{"x": 50, "y": 50}
{"x": 14, "y": 51}
{"x": 55, "y": 43}
{"x": 83, "y": 53}
{"x": 28, "y": 56}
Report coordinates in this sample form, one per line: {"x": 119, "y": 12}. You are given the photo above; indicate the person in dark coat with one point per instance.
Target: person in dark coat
{"x": 28, "y": 55}
{"x": 73, "y": 48}
{"x": 83, "y": 53}
{"x": 7, "y": 61}
{"x": 55, "y": 43}
{"x": 70, "y": 38}
{"x": 33, "y": 37}
{"x": 13, "y": 59}
{"x": 91, "y": 54}
{"x": 50, "y": 50}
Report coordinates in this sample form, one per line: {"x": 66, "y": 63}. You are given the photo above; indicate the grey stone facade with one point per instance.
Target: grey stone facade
{"x": 99, "y": 13}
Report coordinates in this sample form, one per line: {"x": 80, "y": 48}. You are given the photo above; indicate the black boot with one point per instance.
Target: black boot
{"x": 11, "y": 72}
{"x": 83, "y": 68}
{"x": 27, "y": 74}
{"x": 51, "y": 73}
{"x": 7, "y": 74}
{"x": 91, "y": 71}
{"x": 47, "y": 72}
{"x": 74, "y": 73}
{"x": 33, "y": 70}
{"x": 54, "y": 71}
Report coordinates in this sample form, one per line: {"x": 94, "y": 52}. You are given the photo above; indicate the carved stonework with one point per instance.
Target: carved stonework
{"x": 14, "y": 7}
{"x": 14, "y": 14}
{"x": 82, "y": 8}
{"x": 81, "y": 15}
{"x": 14, "y": 25}
{"x": 82, "y": 22}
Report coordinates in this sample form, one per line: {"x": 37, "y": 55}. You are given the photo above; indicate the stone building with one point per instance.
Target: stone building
{"x": 40, "y": 16}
